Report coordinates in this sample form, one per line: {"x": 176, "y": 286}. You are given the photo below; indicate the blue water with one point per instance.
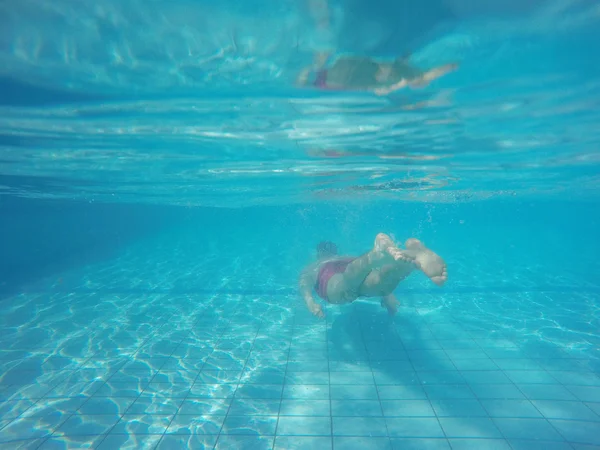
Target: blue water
{"x": 163, "y": 183}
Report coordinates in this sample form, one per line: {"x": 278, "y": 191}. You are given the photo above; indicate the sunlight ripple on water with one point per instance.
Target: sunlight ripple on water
{"x": 500, "y": 126}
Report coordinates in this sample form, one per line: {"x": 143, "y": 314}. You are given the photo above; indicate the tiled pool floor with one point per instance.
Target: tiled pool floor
{"x": 251, "y": 372}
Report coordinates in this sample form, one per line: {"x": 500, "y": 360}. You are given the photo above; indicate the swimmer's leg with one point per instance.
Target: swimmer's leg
{"x": 385, "y": 280}
{"x": 433, "y": 74}
{"x": 344, "y": 287}
{"x": 419, "y": 82}
{"x": 391, "y": 303}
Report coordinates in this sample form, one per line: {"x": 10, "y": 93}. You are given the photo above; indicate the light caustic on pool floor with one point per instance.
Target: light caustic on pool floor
{"x": 164, "y": 371}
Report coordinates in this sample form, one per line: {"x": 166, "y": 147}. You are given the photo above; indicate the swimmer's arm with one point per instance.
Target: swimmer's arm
{"x": 307, "y": 281}
{"x": 308, "y": 278}
{"x": 420, "y": 81}
{"x": 436, "y": 73}
{"x": 394, "y": 87}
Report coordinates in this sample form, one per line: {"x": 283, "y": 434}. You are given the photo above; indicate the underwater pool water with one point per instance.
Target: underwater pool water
{"x": 163, "y": 183}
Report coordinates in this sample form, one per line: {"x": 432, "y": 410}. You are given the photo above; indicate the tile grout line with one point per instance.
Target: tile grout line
{"x": 523, "y": 394}
{"x": 421, "y": 381}
{"x": 479, "y": 400}
{"x": 289, "y": 351}
{"x": 370, "y": 361}
{"x": 237, "y": 384}
{"x": 188, "y": 393}
{"x": 516, "y": 386}
{"x": 329, "y": 378}
{"x": 437, "y": 340}
{"x": 198, "y": 376}
{"x": 142, "y": 390}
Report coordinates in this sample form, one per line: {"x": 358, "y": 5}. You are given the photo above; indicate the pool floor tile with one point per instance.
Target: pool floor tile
{"x": 254, "y": 407}
{"x": 479, "y": 444}
{"x": 356, "y": 408}
{"x": 511, "y": 408}
{"x": 538, "y": 445}
{"x": 419, "y": 444}
{"x": 232, "y": 442}
{"x": 497, "y": 391}
{"x": 578, "y": 431}
{"x": 458, "y": 408}
{"x": 430, "y": 378}
{"x": 527, "y": 429}
{"x": 395, "y": 392}
{"x": 407, "y": 408}
{"x": 187, "y": 441}
{"x": 354, "y": 392}
{"x": 472, "y": 427}
{"x": 259, "y": 425}
{"x": 566, "y": 410}
{"x": 303, "y": 443}
{"x": 195, "y": 424}
{"x": 304, "y": 426}
{"x": 585, "y": 393}
{"x": 359, "y": 426}
{"x": 85, "y": 424}
{"x": 140, "y": 424}
{"x": 449, "y": 391}
{"x": 362, "y": 443}
{"x": 76, "y": 442}
{"x": 414, "y": 427}
{"x": 290, "y": 407}
{"x": 131, "y": 441}
{"x": 546, "y": 392}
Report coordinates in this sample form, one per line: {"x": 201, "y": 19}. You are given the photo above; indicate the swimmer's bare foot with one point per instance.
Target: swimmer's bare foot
{"x": 391, "y": 303}
{"x": 385, "y": 244}
{"x": 379, "y": 254}
{"x": 429, "y": 262}
{"x": 401, "y": 255}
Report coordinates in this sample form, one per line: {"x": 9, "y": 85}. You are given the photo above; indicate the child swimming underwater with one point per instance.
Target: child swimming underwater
{"x": 340, "y": 280}
{"x": 361, "y": 73}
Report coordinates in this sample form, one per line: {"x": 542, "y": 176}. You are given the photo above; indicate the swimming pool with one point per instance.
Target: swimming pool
{"x": 160, "y": 200}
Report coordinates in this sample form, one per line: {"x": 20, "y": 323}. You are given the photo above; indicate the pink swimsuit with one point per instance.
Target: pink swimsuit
{"x": 321, "y": 82}
{"x": 328, "y": 270}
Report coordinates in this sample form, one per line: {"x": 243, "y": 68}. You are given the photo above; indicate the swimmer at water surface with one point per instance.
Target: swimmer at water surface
{"x": 340, "y": 280}
{"x": 361, "y": 73}
{"x": 358, "y": 72}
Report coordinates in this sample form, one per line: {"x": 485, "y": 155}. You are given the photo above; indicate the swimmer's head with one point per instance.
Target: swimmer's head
{"x": 326, "y": 249}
